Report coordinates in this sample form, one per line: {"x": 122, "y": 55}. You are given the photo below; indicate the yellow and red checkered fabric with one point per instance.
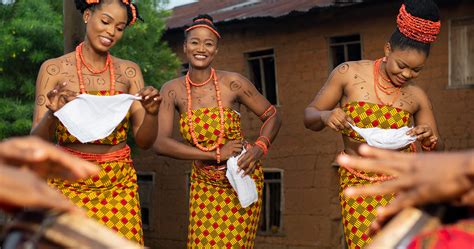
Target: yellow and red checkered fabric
{"x": 359, "y": 213}
{"x": 216, "y": 218}
{"x": 117, "y": 136}
{"x": 111, "y": 197}
{"x": 369, "y": 115}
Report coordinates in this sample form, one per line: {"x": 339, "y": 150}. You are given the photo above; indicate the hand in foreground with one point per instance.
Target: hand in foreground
{"x": 44, "y": 159}
{"x": 151, "y": 99}
{"x": 419, "y": 178}
{"x": 20, "y": 187}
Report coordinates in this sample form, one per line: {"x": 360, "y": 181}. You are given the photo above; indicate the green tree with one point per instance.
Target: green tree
{"x": 142, "y": 44}
{"x": 32, "y": 32}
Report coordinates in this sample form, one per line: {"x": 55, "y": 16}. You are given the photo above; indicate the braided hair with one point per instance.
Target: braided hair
{"x": 423, "y": 9}
{"x": 203, "y": 20}
{"x": 132, "y": 9}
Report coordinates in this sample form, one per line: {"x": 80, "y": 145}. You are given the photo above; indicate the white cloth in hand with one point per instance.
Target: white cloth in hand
{"x": 243, "y": 185}
{"x": 91, "y": 117}
{"x": 385, "y": 138}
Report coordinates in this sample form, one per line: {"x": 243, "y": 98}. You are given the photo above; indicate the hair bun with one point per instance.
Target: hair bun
{"x": 204, "y": 18}
{"x": 81, "y": 5}
{"x": 425, "y": 9}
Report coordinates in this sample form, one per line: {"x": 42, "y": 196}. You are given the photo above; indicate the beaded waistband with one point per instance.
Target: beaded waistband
{"x": 363, "y": 175}
{"x": 118, "y": 155}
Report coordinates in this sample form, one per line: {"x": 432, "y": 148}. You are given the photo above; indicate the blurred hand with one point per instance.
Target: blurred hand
{"x": 19, "y": 187}
{"x": 151, "y": 99}
{"x": 44, "y": 159}
{"x": 419, "y": 178}
{"x": 336, "y": 119}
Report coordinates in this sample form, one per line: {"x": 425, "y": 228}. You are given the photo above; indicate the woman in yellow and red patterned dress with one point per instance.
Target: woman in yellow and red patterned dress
{"x": 112, "y": 196}
{"x": 208, "y": 102}
{"x": 379, "y": 94}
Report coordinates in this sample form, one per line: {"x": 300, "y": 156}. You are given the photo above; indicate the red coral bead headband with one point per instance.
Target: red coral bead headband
{"x": 203, "y": 20}
{"x": 132, "y": 7}
{"x": 204, "y": 26}
{"x": 416, "y": 28}
{"x": 134, "y": 14}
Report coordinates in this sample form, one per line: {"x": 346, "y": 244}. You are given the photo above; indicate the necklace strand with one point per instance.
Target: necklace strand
{"x": 221, "y": 116}
{"x": 80, "y": 61}
{"x": 378, "y": 85}
{"x": 89, "y": 67}
{"x": 188, "y": 78}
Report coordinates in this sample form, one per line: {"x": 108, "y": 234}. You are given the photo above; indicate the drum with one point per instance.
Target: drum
{"x": 401, "y": 229}
{"x": 40, "y": 229}
{"x": 399, "y": 232}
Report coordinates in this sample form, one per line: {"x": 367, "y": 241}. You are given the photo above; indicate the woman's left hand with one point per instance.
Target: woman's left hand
{"x": 424, "y": 134}
{"x": 151, "y": 99}
{"x": 248, "y": 161}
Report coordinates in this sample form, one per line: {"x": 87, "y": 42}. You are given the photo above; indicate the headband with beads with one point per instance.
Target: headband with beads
{"x": 128, "y": 2}
{"x": 207, "y": 26}
{"x": 416, "y": 28}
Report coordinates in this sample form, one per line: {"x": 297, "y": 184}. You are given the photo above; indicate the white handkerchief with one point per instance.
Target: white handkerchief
{"x": 243, "y": 185}
{"x": 91, "y": 117}
{"x": 386, "y": 138}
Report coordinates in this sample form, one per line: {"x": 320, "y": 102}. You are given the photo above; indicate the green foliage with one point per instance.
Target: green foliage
{"x": 142, "y": 44}
{"x": 32, "y": 32}
{"x": 29, "y": 35}
{"x": 15, "y": 117}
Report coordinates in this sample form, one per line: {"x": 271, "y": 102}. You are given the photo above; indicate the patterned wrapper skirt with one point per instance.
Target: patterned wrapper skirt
{"x": 358, "y": 213}
{"x": 112, "y": 196}
{"x": 216, "y": 218}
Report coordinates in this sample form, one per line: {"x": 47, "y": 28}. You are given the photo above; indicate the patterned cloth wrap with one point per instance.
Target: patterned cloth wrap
{"x": 112, "y": 196}
{"x": 358, "y": 214}
{"x": 216, "y": 218}
{"x": 459, "y": 235}
{"x": 117, "y": 136}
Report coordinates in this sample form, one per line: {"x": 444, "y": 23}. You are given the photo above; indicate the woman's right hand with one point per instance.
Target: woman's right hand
{"x": 231, "y": 148}
{"x": 336, "y": 119}
{"x": 59, "y": 96}
{"x": 21, "y": 188}
{"x": 45, "y": 159}
{"x": 418, "y": 178}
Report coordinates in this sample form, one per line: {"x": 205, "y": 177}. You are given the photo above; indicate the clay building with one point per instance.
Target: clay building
{"x": 288, "y": 48}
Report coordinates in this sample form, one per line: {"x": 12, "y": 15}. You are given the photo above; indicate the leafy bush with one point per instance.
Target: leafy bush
{"x": 32, "y": 32}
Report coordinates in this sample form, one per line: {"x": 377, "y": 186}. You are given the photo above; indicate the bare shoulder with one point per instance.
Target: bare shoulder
{"x": 345, "y": 72}
{"x": 232, "y": 79}
{"x": 126, "y": 64}
{"x": 229, "y": 75}
{"x": 55, "y": 69}
{"x": 52, "y": 64}
{"x": 417, "y": 92}
{"x": 172, "y": 84}
{"x": 360, "y": 66}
